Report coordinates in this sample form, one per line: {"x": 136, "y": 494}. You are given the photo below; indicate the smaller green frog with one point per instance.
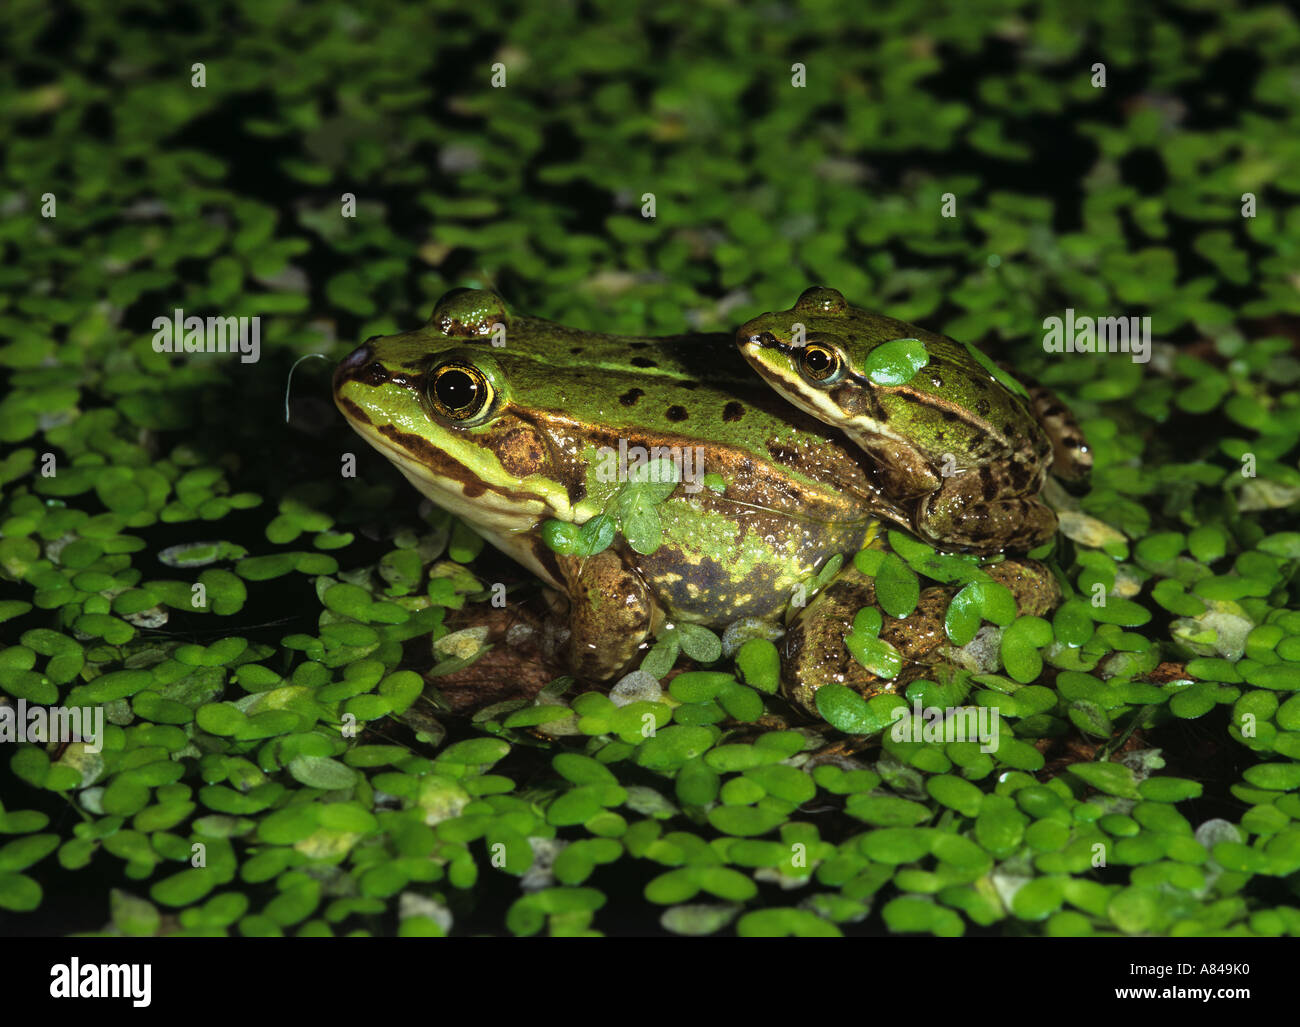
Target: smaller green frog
{"x": 961, "y": 449}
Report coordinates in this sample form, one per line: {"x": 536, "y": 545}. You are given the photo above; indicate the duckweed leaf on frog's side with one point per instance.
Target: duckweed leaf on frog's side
{"x": 868, "y": 561}
{"x": 560, "y": 537}
{"x": 654, "y": 480}
{"x": 828, "y": 571}
{"x": 642, "y": 528}
{"x": 867, "y": 622}
{"x": 896, "y": 362}
{"x": 977, "y": 602}
{"x": 596, "y": 535}
{"x": 964, "y": 616}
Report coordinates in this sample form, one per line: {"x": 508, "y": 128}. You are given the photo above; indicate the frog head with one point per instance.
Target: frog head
{"x": 440, "y": 403}
{"x": 814, "y": 354}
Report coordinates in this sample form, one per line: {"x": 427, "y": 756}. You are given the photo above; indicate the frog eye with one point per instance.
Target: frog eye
{"x": 459, "y": 391}
{"x": 819, "y": 364}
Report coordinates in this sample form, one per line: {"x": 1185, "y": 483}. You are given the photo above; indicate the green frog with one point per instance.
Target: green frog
{"x": 960, "y": 447}
{"x": 513, "y": 422}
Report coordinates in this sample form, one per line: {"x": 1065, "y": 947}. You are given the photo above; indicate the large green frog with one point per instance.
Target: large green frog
{"x": 511, "y": 436}
{"x": 960, "y": 447}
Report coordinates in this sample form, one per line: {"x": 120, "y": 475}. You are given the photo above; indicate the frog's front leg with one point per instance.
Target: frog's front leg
{"x": 972, "y": 511}
{"x": 612, "y": 612}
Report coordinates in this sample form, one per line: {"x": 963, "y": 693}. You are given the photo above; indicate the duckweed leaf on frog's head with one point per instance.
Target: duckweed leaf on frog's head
{"x": 896, "y": 362}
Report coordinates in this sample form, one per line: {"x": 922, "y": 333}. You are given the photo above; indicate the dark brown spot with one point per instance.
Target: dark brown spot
{"x": 733, "y": 411}
{"x": 520, "y": 452}
{"x": 637, "y": 345}
{"x": 982, "y": 407}
{"x": 676, "y": 413}
{"x": 374, "y": 373}
{"x": 643, "y": 362}
{"x": 629, "y": 398}
{"x": 987, "y": 484}
{"x": 576, "y": 349}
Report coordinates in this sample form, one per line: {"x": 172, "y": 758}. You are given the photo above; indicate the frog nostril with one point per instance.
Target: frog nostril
{"x": 358, "y": 357}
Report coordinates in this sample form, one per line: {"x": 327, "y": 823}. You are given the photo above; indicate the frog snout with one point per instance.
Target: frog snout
{"x": 351, "y": 364}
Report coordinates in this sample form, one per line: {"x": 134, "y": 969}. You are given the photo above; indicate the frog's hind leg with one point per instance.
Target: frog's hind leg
{"x": 814, "y": 653}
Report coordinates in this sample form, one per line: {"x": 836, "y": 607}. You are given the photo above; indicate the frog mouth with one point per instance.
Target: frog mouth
{"x": 442, "y": 478}
{"x": 507, "y": 518}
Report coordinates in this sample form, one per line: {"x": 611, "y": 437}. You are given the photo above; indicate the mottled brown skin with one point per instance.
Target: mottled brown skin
{"x": 814, "y": 652}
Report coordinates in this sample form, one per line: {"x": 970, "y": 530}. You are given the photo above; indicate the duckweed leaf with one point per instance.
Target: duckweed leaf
{"x": 896, "y": 362}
